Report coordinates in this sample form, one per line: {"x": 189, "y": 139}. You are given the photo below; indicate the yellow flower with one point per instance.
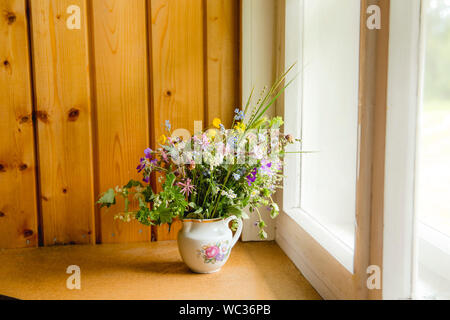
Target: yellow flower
{"x": 211, "y": 133}
{"x": 217, "y": 122}
{"x": 162, "y": 139}
{"x": 240, "y": 126}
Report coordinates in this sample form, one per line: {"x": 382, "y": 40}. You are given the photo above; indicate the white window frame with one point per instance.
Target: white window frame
{"x": 339, "y": 249}
{"x": 403, "y": 232}
{"x": 401, "y": 118}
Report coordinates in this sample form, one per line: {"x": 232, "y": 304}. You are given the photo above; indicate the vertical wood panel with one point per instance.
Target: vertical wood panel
{"x": 122, "y": 105}
{"x": 63, "y": 103}
{"x": 381, "y": 60}
{"x": 222, "y": 46}
{"x": 374, "y": 46}
{"x": 177, "y": 70}
{"x": 18, "y": 212}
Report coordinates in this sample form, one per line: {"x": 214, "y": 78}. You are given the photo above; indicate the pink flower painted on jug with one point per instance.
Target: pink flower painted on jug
{"x": 213, "y": 253}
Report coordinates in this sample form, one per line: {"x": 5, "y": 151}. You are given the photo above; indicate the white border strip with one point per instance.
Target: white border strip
{"x": 402, "y": 104}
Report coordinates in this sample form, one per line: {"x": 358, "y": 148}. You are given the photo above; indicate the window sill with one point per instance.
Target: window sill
{"x": 337, "y": 239}
{"x": 150, "y": 271}
{"x": 434, "y": 264}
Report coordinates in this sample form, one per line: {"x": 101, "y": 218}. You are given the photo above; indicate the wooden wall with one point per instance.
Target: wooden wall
{"x": 79, "y": 106}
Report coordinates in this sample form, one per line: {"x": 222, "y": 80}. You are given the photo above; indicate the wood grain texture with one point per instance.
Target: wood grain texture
{"x": 63, "y": 109}
{"x": 151, "y": 271}
{"x": 374, "y": 46}
{"x": 96, "y": 108}
{"x": 222, "y": 51}
{"x": 177, "y": 71}
{"x": 379, "y": 146}
{"x": 122, "y": 105}
{"x": 18, "y": 209}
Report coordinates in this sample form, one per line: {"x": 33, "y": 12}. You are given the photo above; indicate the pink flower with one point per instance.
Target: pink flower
{"x": 203, "y": 141}
{"x": 186, "y": 188}
{"x": 164, "y": 156}
{"x": 211, "y": 252}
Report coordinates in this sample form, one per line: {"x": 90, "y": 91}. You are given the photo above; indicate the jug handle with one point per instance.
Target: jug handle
{"x": 238, "y": 231}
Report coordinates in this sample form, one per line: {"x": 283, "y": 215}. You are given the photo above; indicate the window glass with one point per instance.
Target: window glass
{"x": 433, "y": 154}
{"x": 330, "y": 113}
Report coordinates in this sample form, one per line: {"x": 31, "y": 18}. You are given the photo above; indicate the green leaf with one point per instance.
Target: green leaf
{"x": 170, "y": 179}
{"x": 165, "y": 216}
{"x": 262, "y": 234}
{"x": 275, "y": 210}
{"x": 133, "y": 183}
{"x": 249, "y": 101}
{"x": 199, "y": 210}
{"x": 234, "y": 211}
{"x": 108, "y": 199}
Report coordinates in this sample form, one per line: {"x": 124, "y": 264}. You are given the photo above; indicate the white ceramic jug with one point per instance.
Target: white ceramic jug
{"x": 205, "y": 245}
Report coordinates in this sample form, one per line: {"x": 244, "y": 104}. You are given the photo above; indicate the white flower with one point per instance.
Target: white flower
{"x": 257, "y": 152}
{"x": 230, "y": 194}
{"x": 254, "y": 193}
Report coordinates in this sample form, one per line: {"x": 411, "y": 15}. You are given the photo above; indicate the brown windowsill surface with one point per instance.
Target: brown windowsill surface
{"x": 258, "y": 270}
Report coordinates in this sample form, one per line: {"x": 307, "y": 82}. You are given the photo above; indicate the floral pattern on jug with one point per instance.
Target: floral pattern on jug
{"x": 213, "y": 253}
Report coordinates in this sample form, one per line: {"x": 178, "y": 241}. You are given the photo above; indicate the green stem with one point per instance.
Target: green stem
{"x": 219, "y": 196}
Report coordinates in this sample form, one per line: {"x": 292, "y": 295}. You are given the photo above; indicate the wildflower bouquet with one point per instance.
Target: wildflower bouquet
{"x": 212, "y": 174}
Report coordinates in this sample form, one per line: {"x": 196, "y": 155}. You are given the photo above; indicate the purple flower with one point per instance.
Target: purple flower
{"x": 265, "y": 167}
{"x": 146, "y": 179}
{"x": 148, "y": 153}
{"x": 141, "y": 166}
{"x": 252, "y": 177}
{"x": 220, "y": 257}
{"x": 154, "y": 162}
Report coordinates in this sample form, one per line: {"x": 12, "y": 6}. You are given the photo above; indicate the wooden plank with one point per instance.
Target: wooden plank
{"x": 151, "y": 271}
{"x": 122, "y": 105}
{"x": 177, "y": 70}
{"x": 379, "y": 146}
{"x": 63, "y": 109}
{"x": 330, "y": 278}
{"x": 372, "y": 123}
{"x": 18, "y": 210}
{"x": 222, "y": 49}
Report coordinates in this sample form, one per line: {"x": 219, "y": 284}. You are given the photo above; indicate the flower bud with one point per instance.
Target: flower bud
{"x": 290, "y": 138}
